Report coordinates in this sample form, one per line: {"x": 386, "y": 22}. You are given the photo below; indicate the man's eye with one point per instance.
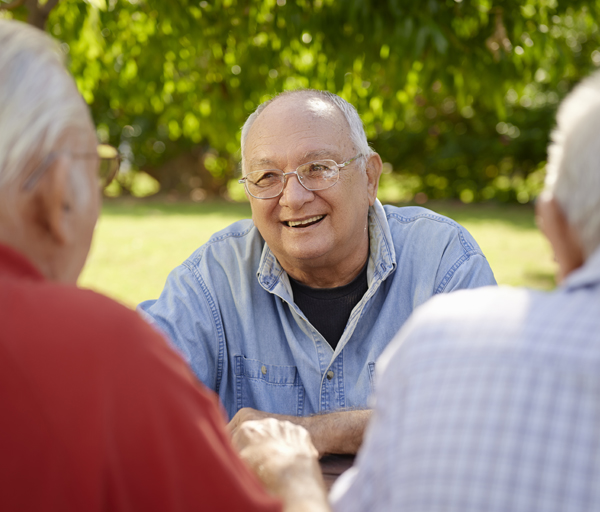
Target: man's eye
{"x": 317, "y": 168}
{"x": 264, "y": 178}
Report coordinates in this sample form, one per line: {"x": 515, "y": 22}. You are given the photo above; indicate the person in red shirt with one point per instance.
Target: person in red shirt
{"x": 96, "y": 411}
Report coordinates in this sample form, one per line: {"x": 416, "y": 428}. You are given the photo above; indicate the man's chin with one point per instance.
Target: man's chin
{"x": 307, "y": 253}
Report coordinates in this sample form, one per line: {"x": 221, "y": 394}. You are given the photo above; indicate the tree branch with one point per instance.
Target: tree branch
{"x": 38, "y": 14}
{"x": 50, "y": 4}
{"x": 11, "y": 5}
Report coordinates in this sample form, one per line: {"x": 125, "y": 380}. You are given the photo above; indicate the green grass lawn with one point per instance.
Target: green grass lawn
{"x": 137, "y": 243}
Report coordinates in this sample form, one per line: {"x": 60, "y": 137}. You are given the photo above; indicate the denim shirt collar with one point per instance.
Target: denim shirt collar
{"x": 587, "y": 275}
{"x": 382, "y": 258}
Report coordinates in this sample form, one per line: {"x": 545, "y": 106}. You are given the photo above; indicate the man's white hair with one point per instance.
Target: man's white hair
{"x": 357, "y": 131}
{"x": 38, "y": 99}
{"x": 573, "y": 170}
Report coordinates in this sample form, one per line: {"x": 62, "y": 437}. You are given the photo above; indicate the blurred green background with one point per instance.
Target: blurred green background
{"x": 457, "y": 96}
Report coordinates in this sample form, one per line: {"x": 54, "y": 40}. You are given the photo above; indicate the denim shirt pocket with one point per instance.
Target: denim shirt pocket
{"x": 371, "y": 367}
{"x": 268, "y": 387}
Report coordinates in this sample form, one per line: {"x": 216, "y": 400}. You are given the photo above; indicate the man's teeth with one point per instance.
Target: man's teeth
{"x": 293, "y": 224}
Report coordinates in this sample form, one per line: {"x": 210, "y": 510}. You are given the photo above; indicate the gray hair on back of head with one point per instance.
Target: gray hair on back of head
{"x": 573, "y": 170}
{"x": 357, "y": 131}
{"x": 38, "y": 99}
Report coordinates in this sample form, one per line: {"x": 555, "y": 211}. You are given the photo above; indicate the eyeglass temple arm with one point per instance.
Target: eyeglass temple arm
{"x": 35, "y": 176}
{"x": 348, "y": 162}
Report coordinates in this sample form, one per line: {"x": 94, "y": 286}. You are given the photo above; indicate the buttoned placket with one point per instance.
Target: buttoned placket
{"x": 271, "y": 277}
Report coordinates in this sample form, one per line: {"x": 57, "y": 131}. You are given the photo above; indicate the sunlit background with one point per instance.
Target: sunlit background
{"x": 458, "y": 97}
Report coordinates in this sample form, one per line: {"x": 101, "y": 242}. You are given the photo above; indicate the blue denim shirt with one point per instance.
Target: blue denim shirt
{"x": 229, "y": 310}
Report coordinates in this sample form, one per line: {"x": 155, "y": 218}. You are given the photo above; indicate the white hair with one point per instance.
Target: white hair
{"x": 38, "y": 100}
{"x": 573, "y": 170}
{"x": 357, "y": 131}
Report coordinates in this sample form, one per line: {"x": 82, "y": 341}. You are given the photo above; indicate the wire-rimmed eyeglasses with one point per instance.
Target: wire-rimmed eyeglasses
{"x": 108, "y": 157}
{"x": 318, "y": 175}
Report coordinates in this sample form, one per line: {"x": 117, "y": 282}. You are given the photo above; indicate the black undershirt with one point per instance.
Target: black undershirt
{"x": 328, "y": 309}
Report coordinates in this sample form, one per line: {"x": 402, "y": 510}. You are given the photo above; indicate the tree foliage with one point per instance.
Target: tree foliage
{"x": 458, "y": 97}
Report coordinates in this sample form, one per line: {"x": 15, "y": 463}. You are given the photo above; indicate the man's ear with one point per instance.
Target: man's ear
{"x": 374, "y": 167}
{"x": 53, "y": 202}
{"x": 564, "y": 240}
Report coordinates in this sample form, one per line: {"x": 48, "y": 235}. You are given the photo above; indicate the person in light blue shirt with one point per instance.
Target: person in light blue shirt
{"x": 285, "y": 315}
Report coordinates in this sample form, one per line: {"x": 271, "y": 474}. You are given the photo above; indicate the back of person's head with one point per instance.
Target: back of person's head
{"x": 573, "y": 171}
{"x": 38, "y": 99}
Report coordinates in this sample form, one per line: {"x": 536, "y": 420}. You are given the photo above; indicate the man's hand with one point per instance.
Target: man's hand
{"x": 284, "y": 459}
{"x": 336, "y": 432}
{"x": 249, "y": 414}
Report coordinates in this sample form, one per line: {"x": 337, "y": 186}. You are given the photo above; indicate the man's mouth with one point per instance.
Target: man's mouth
{"x": 304, "y": 223}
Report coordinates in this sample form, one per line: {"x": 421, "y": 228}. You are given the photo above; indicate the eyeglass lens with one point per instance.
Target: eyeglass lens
{"x": 108, "y": 170}
{"x": 313, "y": 176}
{"x": 109, "y": 163}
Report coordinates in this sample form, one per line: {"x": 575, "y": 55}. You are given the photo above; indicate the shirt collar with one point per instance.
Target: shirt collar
{"x": 14, "y": 264}
{"x": 586, "y": 275}
{"x": 269, "y": 269}
{"x": 382, "y": 257}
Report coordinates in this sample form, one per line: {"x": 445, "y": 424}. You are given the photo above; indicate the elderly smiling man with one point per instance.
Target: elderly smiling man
{"x": 286, "y": 314}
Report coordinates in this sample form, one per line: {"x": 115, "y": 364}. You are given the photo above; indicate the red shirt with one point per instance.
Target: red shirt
{"x": 97, "y": 413}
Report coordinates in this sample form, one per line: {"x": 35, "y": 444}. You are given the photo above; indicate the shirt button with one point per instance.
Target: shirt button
{"x": 263, "y": 369}
{"x": 330, "y": 375}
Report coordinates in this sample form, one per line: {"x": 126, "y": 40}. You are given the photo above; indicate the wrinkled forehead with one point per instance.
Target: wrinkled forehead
{"x": 298, "y": 124}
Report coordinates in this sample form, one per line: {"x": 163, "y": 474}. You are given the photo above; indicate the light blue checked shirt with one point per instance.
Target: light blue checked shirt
{"x": 488, "y": 400}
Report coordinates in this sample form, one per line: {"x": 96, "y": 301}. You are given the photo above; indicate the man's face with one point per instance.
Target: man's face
{"x": 333, "y": 222}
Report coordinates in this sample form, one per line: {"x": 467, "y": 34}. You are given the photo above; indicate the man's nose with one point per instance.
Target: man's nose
{"x": 294, "y": 195}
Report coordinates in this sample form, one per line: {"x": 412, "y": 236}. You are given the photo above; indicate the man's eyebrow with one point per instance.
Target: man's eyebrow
{"x": 262, "y": 163}
{"x": 309, "y": 156}
{"x": 319, "y": 153}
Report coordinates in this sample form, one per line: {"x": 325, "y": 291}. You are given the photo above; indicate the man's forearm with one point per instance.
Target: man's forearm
{"x": 336, "y": 432}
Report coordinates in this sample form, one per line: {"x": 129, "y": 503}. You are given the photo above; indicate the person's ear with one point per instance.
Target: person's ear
{"x": 373, "y": 169}
{"x": 54, "y": 201}
{"x": 565, "y": 242}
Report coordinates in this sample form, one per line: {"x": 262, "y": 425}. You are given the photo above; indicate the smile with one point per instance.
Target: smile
{"x": 304, "y": 223}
